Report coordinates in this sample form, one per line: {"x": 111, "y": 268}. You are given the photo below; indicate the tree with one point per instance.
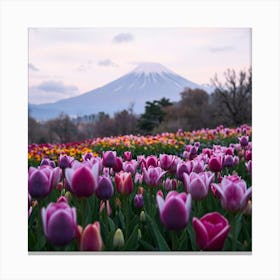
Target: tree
{"x": 232, "y": 100}
{"x": 153, "y": 115}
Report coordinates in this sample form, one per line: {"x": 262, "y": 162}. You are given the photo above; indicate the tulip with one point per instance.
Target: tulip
{"x": 124, "y": 183}
{"x": 233, "y": 193}
{"x": 82, "y": 180}
{"x": 166, "y": 161}
{"x": 105, "y": 189}
{"x": 138, "y": 201}
{"x": 130, "y": 166}
{"x": 90, "y": 238}
{"x": 118, "y": 165}
{"x": 46, "y": 161}
{"x": 211, "y": 231}
{"x": 118, "y": 239}
{"x": 197, "y": 184}
{"x": 215, "y": 163}
{"x": 109, "y": 158}
{"x": 153, "y": 175}
{"x": 42, "y": 180}
{"x": 183, "y": 167}
{"x": 170, "y": 184}
{"x": 108, "y": 207}
{"x": 29, "y": 205}
{"x": 65, "y": 161}
{"x": 249, "y": 166}
{"x": 151, "y": 161}
{"x": 59, "y": 222}
{"x": 198, "y": 166}
{"x": 174, "y": 210}
{"x": 127, "y": 156}
{"x": 138, "y": 178}
{"x": 244, "y": 140}
{"x": 228, "y": 161}
{"x": 142, "y": 217}
{"x": 87, "y": 156}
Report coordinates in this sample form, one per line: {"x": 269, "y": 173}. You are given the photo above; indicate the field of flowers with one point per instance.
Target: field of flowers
{"x": 184, "y": 191}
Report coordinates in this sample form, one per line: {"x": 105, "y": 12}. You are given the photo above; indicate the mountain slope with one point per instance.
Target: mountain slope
{"x": 147, "y": 82}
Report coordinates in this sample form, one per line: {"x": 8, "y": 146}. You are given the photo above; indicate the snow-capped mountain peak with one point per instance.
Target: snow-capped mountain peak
{"x": 151, "y": 67}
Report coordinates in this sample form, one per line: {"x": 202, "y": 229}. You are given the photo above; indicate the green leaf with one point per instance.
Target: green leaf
{"x": 146, "y": 245}
{"x": 159, "y": 239}
{"x": 112, "y": 225}
{"x": 132, "y": 242}
{"x": 192, "y": 237}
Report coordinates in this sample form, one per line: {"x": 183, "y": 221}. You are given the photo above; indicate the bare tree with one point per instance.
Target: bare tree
{"x": 233, "y": 98}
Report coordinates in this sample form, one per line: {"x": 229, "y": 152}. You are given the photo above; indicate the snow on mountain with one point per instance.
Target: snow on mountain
{"x": 147, "y": 82}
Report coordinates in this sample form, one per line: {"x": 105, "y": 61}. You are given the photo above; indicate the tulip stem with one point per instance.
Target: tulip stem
{"x": 84, "y": 204}
{"x": 173, "y": 240}
{"x": 234, "y": 237}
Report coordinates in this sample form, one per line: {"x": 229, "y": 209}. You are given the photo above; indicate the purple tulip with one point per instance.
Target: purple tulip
{"x": 59, "y": 223}
{"x": 174, "y": 210}
{"x": 198, "y": 166}
{"x": 228, "y": 161}
{"x": 109, "y": 158}
{"x": 153, "y": 175}
{"x": 138, "y": 178}
{"x": 87, "y": 156}
{"x": 65, "y": 161}
{"x": 170, "y": 184}
{"x": 82, "y": 180}
{"x": 197, "y": 184}
{"x": 211, "y": 231}
{"x": 46, "y": 161}
{"x": 138, "y": 201}
{"x": 249, "y": 166}
{"x": 233, "y": 193}
{"x": 42, "y": 180}
{"x": 105, "y": 189}
{"x": 244, "y": 140}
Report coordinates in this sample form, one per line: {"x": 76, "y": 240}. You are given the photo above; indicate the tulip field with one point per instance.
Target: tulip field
{"x": 183, "y": 191}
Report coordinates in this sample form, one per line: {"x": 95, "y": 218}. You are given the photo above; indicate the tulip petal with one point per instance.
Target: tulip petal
{"x": 69, "y": 175}
{"x": 201, "y": 234}
{"x": 217, "y": 243}
{"x": 44, "y": 220}
{"x": 160, "y": 202}
{"x": 186, "y": 182}
{"x": 246, "y": 197}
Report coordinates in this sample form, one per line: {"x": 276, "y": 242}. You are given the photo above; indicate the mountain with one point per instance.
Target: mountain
{"x": 147, "y": 82}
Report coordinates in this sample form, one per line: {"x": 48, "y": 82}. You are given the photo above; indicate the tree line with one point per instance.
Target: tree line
{"x": 229, "y": 104}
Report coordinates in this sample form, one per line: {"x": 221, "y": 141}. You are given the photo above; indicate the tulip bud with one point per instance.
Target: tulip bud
{"x": 139, "y": 235}
{"x": 68, "y": 196}
{"x": 138, "y": 201}
{"x": 142, "y": 217}
{"x": 118, "y": 239}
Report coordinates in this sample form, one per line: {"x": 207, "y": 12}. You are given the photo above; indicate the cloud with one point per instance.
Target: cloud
{"x": 107, "y": 63}
{"x": 123, "y": 37}
{"x": 33, "y": 67}
{"x": 84, "y": 67}
{"x": 51, "y": 91}
{"x": 221, "y": 49}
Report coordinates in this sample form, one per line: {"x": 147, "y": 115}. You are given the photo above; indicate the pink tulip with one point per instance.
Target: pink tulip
{"x": 197, "y": 184}
{"x": 82, "y": 180}
{"x": 211, "y": 231}
{"x": 90, "y": 238}
{"x": 105, "y": 189}
{"x": 233, "y": 193}
{"x": 118, "y": 165}
{"x": 174, "y": 210}
{"x": 151, "y": 161}
{"x": 124, "y": 183}
{"x": 153, "y": 175}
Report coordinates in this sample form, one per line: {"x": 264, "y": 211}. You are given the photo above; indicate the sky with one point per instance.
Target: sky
{"x": 66, "y": 62}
